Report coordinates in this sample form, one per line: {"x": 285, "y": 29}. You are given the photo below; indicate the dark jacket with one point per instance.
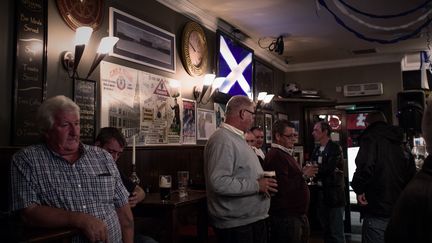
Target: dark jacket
{"x": 384, "y": 168}
{"x": 412, "y": 214}
{"x": 292, "y": 198}
{"x": 330, "y": 173}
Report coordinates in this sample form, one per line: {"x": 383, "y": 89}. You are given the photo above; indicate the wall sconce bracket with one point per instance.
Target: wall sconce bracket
{"x": 68, "y": 61}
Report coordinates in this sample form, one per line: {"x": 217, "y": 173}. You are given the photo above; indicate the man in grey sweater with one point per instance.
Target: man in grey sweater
{"x": 237, "y": 194}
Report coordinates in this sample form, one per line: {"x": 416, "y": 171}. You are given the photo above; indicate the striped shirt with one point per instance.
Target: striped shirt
{"x": 91, "y": 185}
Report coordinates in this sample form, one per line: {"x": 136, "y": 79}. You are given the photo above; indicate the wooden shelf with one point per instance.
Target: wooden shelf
{"x": 316, "y": 100}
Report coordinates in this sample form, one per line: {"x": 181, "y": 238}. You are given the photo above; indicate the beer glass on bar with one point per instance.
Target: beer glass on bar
{"x": 165, "y": 187}
{"x": 182, "y": 179}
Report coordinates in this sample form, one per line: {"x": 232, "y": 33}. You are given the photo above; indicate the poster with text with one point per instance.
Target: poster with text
{"x": 189, "y": 122}
{"x": 140, "y": 103}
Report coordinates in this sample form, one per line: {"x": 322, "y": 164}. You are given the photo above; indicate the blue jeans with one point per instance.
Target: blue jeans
{"x": 373, "y": 229}
{"x": 293, "y": 229}
{"x": 331, "y": 220}
{"x": 251, "y": 233}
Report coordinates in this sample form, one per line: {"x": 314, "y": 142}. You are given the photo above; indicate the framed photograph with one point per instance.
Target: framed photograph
{"x": 220, "y": 113}
{"x": 84, "y": 95}
{"x": 263, "y": 78}
{"x": 268, "y": 119}
{"x": 282, "y": 116}
{"x": 189, "y": 121}
{"x": 206, "y": 123}
{"x": 298, "y": 155}
{"x": 142, "y": 42}
{"x": 297, "y": 129}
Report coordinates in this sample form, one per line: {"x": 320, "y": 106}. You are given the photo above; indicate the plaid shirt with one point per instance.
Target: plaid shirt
{"x": 91, "y": 185}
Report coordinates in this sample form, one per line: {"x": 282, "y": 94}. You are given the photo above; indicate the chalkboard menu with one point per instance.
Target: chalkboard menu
{"x": 85, "y": 98}
{"x": 29, "y": 75}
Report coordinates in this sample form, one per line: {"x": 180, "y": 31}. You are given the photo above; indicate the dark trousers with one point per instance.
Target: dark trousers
{"x": 251, "y": 233}
{"x": 292, "y": 229}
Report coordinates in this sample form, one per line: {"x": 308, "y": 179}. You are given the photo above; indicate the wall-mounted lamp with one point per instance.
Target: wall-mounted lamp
{"x": 175, "y": 86}
{"x": 82, "y": 37}
{"x": 210, "y": 83}
{"x": 263, "y": 99}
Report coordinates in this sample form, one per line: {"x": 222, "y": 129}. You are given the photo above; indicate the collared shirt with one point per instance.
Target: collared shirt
{"x": 285, "y": 149}
{"x": 91, "y": 185}
{"x": 233, "y": 129}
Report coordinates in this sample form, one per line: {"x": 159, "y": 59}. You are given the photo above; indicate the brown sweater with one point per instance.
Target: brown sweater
{"x": 293, "y": 195}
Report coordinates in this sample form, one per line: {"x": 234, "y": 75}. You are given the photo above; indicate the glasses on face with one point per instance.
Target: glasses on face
{"x": 291, "y": 136}
{"x": 251, "y": 112}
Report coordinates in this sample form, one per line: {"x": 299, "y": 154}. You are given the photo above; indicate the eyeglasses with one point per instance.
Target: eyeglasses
{"x": 252, "y": 113}
{"x": 292, "y": 135}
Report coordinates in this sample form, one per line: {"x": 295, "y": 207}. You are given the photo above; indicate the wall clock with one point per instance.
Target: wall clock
{"x": 194, "y": 49}
{"x": 78, "y": 13}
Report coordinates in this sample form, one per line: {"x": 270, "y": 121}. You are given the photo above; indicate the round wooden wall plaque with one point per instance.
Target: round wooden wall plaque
{"x": 78, "y": 13}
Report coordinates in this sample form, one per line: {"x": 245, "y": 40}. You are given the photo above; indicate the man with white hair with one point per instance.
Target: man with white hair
{"x": 237, "y": 194}
{"x": 65, "y": 183}
{"x": 411, "y": 220}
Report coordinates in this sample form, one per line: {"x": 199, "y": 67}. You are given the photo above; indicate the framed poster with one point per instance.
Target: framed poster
{"x": 219, "y": 113}
{"x": 268, "y": 119}
{"x": 189, "y": 122}
{"x": 206, "y": 123}
{"x": 297, "y": 129}
{"x": 263, "y": 78}
{"x": 84, "y": 95}
{"x": 142, "y": 42}
{"x": 298, "y": 154}
{"x": 282, "y": 116}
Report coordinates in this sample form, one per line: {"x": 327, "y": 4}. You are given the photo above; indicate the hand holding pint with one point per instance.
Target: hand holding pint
{"x": 268, "y": 183}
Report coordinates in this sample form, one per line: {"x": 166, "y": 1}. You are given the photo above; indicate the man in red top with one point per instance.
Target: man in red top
{"x": 289, "y": 206}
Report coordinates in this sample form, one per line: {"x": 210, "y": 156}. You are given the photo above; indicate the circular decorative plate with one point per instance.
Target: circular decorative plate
{"x": 78, "y": 13}
{"x": 194, "y": 49}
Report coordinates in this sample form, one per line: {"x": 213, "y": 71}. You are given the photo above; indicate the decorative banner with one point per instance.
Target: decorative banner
{"x": 356, "y": 121}
{"x": 141, "y": 104}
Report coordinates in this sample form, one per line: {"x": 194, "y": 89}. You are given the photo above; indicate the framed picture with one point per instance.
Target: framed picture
{"x": 142, "y": 42}
{"x": 298, "y": 154}
{"x": 263, "y": 78}
{"x": 297, "y": 129}
{"x": 189, "y": 121}
{"x": 220, "y": 113}
{"x": 206, "y": 123}
{"x": 268, "y": 119}
{"x": 84, "y": 95}
{"x": 282, "y": 116}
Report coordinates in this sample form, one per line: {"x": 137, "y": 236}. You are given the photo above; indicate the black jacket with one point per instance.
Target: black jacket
{"x": 330, "y": 173}
{"x": 412, "y": 215}
{"x": 384, "y": 168}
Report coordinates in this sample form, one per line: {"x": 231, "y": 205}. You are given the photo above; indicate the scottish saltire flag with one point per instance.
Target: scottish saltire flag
{"x": 235, "y": 62}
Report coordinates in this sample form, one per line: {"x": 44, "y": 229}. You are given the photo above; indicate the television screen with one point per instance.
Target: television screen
{"x": 235, "y": 62}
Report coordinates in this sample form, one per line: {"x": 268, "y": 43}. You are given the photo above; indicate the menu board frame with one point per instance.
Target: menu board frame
{"x": 29, "y": 81}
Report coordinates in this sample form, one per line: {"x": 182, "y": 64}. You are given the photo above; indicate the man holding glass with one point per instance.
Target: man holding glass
{"x": 288, "y": 210}
{"x": 238, "y": 196}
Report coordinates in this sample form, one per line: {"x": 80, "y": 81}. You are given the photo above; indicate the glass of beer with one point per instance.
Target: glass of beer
{"x": 182, "y": 179}
{"x": 165, "y": 187}
{"x": 270, "y": 174}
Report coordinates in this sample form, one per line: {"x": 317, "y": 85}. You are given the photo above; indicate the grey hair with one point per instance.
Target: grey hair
{"x": 236, "y": 103}
{"x": 427, "y": 125}
{"x": 48, "y": 109}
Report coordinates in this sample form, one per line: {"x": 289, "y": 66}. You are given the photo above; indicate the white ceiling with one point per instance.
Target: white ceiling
{"x": 312, "y": 34}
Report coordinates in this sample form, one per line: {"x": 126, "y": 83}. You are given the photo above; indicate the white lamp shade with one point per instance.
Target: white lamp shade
{"x": 174, "y": 83}
{"x": 208, "y": 79}
{"x": 106, "y": 44}
{"x": 268, "y": 98}
{"x": 82, "y": 35}
{"x": 261, "y": 95}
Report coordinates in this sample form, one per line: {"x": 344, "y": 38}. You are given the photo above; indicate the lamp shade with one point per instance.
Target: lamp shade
{"x": 106, "y": 44}
{"x": 82, "y": 35}
{"x": 261, "y": 96}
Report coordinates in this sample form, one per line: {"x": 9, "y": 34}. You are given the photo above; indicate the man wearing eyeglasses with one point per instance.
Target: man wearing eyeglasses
{"x": 288, "y": 209}
{"x": 238, "y": 196}
{"x": 331, "y": 193}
